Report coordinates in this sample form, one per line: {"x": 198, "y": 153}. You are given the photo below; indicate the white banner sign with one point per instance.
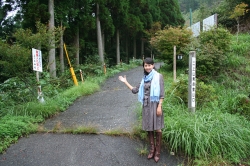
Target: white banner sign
{"x": 196, "y": 28}
{"x": 37, "y": 60}
{"x": 210, "y": 22}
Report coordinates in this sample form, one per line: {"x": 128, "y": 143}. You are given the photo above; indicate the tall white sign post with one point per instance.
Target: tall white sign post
{"x": 38, "y": 67}
{"x": 192, "y": 81}
{"x": 174, "y": 64}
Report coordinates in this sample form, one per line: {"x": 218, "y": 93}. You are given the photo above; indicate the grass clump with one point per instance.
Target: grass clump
{"x": 142, "y": 151}
{"x": 81, "y": 130}
{"x": 116, "y": 132}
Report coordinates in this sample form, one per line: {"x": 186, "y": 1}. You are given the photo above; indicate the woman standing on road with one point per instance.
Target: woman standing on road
{"x": 150, "y": 94}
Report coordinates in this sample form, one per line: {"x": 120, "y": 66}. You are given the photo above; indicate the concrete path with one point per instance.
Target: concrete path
{"x": 113, "y": 107}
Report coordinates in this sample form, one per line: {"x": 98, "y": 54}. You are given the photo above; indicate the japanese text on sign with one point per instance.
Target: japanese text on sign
{"x": 193, "y": 81}
{"x": 37, "y": 60}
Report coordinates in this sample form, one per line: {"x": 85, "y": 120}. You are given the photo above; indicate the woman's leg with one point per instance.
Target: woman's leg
{"x": 158, "y": 145}
{"x": 152, "y": 144}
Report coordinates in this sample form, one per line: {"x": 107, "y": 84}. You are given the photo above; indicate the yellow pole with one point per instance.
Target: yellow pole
{"x": 71, "y": 68}
{"x": 67, "y": 54}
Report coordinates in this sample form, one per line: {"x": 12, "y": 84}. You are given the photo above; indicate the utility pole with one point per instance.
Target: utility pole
{"x": 191, "y": 22}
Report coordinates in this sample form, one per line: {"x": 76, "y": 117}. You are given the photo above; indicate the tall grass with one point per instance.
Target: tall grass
{"x": 55, "y": 104}
{"x": 242, "y": 46}
{"x": 207, "y": 133}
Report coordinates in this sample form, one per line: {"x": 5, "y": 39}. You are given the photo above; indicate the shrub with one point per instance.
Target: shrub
{"x": 204, "y": 93}
{"x": 166, "y": 39}
{"x": 211, "y": 55}
{"x": 209, "y": 61}
{"x": 242, "y": 106}
{"x": 219, "y": 37}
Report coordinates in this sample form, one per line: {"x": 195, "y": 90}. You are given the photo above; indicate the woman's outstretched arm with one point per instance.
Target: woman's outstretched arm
{"x": 124, "y": 79}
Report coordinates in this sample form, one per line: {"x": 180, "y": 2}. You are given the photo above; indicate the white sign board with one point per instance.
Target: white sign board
{"x": 192, "y": 81}
{"x": 37, "y": 60}
{"x": 210, "y": 22}
{"x": 196, "y": 28}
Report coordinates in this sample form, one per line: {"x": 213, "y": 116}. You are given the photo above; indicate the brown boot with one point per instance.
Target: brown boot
{"x": 152, "y": 144}
{"x": 158, "y": 146}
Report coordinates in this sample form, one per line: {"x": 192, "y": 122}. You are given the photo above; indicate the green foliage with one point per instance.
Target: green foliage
{"x": 219, "y": 37}
{"x": 15, "y": 91}
{"x": 212, "y": 48}
{"x": 19, "y": 90}
{"x": 209, "y": 61}
{"x": 38, "y": 40}
{"x": 116, "y": 132}
{"x": 34, "y": 11}
{"x": 165, "y": 40}
{"x": 239, "y": 10}
{"x": 142, "y": 151}
{"x": 81, "y": 130}
{"x": 170, "y": 13}
{"x": 14, "y": 60}
{"x": 13, "y": 127}
{"x": 206, "y": 134}
{"x": 241, "y": 47}
{"x": 179, "y": 90}
{"x": 92, "y": 69}
{"x": 16, "y": 126}
{"x": 241, "y": 106}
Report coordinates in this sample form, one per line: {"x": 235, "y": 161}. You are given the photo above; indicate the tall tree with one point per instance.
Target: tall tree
{"x": 170, "y": 13}
{"x": 225, "y": 9}
{"x": 99, "y": 34}
{"x": 33, "y": 11}
{"x": 76, "y": 17}
{"x": 134, "y": 23}
{"x": 239, "y": 11}
{"x": 52, "y": 58}
{"x": 119, "y": 13}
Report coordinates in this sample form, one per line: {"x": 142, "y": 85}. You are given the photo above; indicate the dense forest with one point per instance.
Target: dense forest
{"x": 104, "y": 30}
{"x": 112, "y": 30}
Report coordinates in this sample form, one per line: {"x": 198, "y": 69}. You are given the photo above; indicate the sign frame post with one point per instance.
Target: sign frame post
{"x": 38, "y": 67}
